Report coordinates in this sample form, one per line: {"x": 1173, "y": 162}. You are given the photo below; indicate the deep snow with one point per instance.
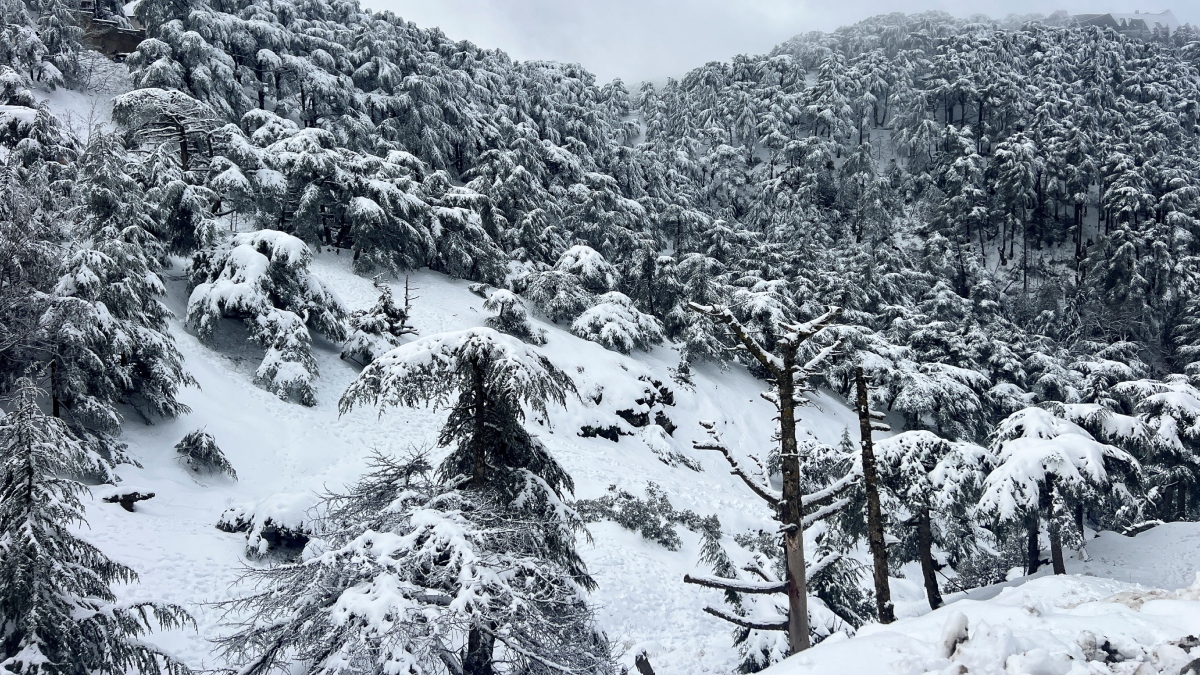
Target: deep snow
{"x": 286, "y": 454}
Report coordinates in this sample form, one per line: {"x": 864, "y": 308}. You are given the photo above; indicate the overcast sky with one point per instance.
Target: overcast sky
{"x": 653, "y": 39}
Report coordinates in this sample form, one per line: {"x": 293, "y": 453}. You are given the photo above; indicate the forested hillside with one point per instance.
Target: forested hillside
{"x": 986, "y": 233}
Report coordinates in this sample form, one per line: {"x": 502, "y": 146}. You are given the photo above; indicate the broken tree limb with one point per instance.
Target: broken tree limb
{"x": 765, "y": 493}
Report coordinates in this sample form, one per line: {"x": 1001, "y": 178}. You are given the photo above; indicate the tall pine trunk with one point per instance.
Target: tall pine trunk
{"x": 1033, "y": 549}
{"x": 478, "y": 658}
{"x": 883, "y": 592}
{"x": 925, "y": 546}
{"x": 792, "y": 509}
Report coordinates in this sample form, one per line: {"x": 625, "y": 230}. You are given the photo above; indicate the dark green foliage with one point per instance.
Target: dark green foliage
{"x": 653, "y": 517}
{"x": 58, "y": 614}
{"x": 200, "y": 451}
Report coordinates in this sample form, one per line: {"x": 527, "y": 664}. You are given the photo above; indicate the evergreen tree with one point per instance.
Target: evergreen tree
{"x": 57, "y": 608}
{"x": 486, "y": 379}
{"x": 511, "y": 317}
{"x": 200, "y": 451}
{"x": 379, "y": 329}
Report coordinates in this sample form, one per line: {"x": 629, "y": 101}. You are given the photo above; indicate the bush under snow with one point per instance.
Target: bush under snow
{"x": 262, "y": 278}
{"x": 617, "y": 324}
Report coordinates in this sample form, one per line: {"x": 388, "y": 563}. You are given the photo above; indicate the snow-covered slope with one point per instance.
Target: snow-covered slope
{"x": 286, "y": 454}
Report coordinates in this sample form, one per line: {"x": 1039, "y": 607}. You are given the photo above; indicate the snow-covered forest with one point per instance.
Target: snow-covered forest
{"x": 330, "y": 344}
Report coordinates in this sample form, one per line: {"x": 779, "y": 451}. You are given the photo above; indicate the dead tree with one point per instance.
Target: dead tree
{"x": 786, "y": 375}
{"x": 883, "y": 592}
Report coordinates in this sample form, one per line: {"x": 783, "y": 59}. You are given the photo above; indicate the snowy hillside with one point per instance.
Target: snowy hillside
{"x": 285, "y": 455}
{"x": 332, "y": 345}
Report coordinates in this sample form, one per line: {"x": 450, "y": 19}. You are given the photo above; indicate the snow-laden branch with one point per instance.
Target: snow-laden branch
{"x": 777, "y": 624}
{"x": 825, "y": 511}
{"x": 835, "y": 488}
{"x": 722, "y": 314}
{"x": 737, "y": 585}
{"x": 767, "y": 494}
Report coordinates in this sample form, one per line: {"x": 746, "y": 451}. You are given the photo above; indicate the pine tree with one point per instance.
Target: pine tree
{"x": 511, "y": 317}
{"x": 263, "y": 279}
{"x": 486, "y": 379}
{"x": 937, "y": 482}
{"x": 200, "y": 451}
{"x": 1046, "y": 466}
{"x": 57, "y": 608}
{"x": 379, "y": 329}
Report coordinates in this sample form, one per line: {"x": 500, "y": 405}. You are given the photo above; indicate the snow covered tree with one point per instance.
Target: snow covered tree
{"x": 263, "y": 279}
{"x": 1046, "y": 467}
{"x": 595, "y": 273}
{"x": 616, "y": 323}
{"x": 200, "y": 451}
{"x": 487, "y": 379}
{"x": 1166, "y": 438}
{"x": 935, "y": 482}
{"x": 511, "y": 317}
{"x": 57, "y": 608}
{"x": 559, "y": 295}
{"x": 413, "y": 575}
{"x": 378, "y": 329}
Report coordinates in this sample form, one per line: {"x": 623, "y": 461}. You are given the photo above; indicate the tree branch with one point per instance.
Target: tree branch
{"x": 832, "y": 490}
{"x": 736, "y": 585}
{"x": 825, "y": 511}
{"x": 765, "y": 493}
{"x": 781, "y": 624}
{"x": 722, "y": 314}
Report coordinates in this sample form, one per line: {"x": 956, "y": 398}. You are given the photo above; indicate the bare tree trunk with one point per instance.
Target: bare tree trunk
{"x": 791, "y": 510}
{"x": 1033, "y": 550}
{"x": 925, "y": 545}
{"x": 883, "y": 592}
{"x": 784, "y": 370}
{"x": 1053, "y": 520}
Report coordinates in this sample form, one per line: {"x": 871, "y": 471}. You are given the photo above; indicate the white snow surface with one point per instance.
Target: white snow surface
{"x": 286, "y": 454}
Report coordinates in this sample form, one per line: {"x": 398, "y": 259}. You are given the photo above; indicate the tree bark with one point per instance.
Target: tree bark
{"x": 478, "y": 659}
{"x": 1033, "y": 550}
{"x": 791, "y": 512}
{"x": 925, "y": 544}
{"x": 883, "y": 592}
{"x": 54, "y": 404}
{"x": 791, "y": 509}
{"x": 479, "y": 468}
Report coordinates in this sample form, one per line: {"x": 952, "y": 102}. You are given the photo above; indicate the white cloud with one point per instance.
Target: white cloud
{"x": 653, "y": 39}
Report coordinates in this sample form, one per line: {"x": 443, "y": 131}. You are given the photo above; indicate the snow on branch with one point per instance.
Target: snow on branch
{"x": 767, "y": 494}
{"x": 737, "y": 586}
{"x": 777, "y": 624}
